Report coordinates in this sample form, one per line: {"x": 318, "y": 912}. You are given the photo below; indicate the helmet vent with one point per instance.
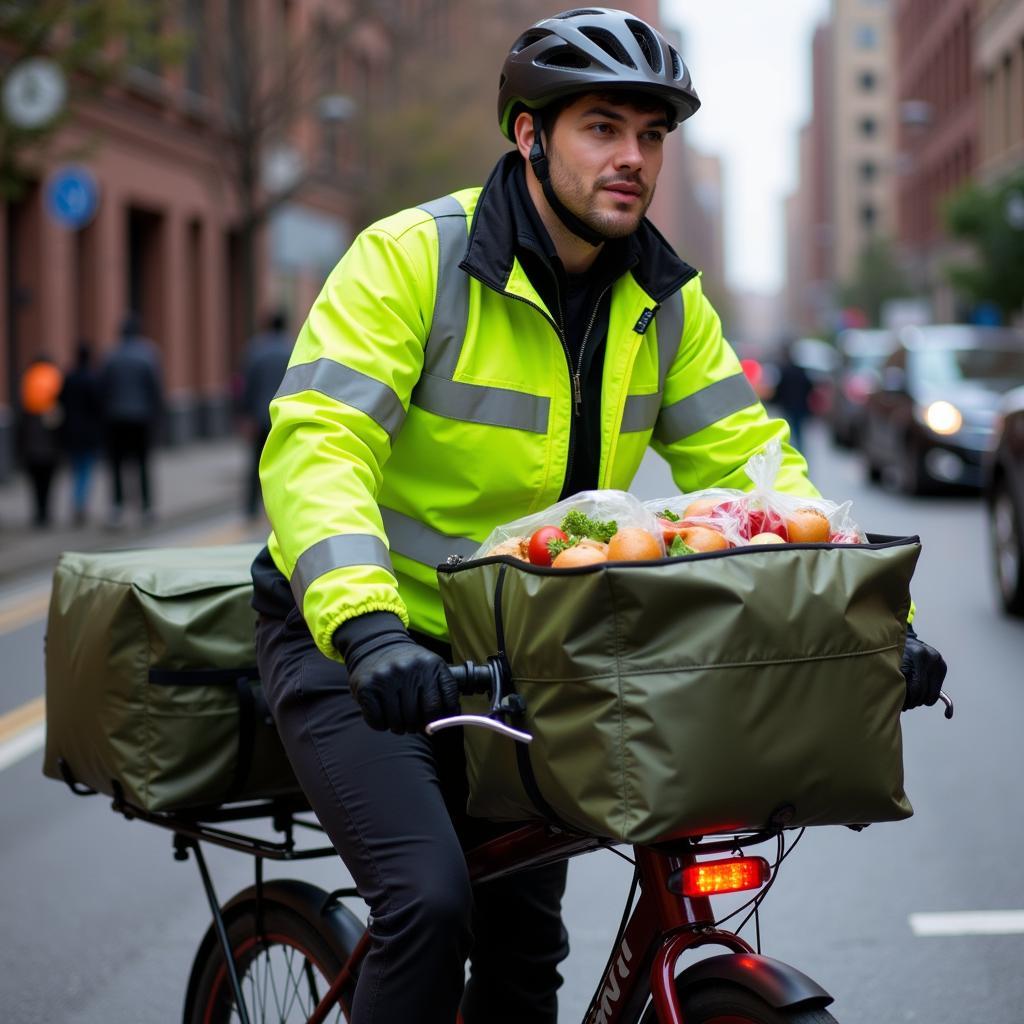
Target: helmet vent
{"x": 528, "y": 39}
{"x": 563, "y": 57}
{"x": 607, "y": 41}
{"x": 648, "y": 44}
{"x": 677, "y": 63}
{"x": 579, "y": 12}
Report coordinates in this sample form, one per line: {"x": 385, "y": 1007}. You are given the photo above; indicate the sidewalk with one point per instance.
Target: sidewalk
{"x": 189, "y": 483}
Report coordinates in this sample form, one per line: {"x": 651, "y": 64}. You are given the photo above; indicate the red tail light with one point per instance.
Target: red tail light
{"x": 713, "y": 877}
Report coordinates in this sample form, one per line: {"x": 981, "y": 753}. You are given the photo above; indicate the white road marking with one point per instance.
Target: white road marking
{"x": 26, "y": 742}
{"x": 969, "y": 922}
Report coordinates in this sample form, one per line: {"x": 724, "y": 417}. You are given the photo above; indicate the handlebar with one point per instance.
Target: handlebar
{"x": 473, "y": 678}
{"x": 948, "y": 701}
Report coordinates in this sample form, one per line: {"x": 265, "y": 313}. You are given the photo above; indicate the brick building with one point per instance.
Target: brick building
{"x": 938, "y": 106}
{"x": 999, "y": 59}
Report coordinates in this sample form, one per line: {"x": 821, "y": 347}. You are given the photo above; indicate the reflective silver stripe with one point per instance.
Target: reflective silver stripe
{"x": 451, "y": 303}
{"x": 476, "y": 403}
{"x": 344, "y": 384}
{"x": 703, "y": 408}
{"x": 641, "y": 412}
{"x": 337, "y": 552}
{"x": 669, "y": 322}
{"x": 421, "y": 543}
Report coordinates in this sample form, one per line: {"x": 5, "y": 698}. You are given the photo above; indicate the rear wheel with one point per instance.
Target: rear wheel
{"x": 287, "y": 952}
{"x": 721, "y": 1003}
{"x": 1007, "y": 532}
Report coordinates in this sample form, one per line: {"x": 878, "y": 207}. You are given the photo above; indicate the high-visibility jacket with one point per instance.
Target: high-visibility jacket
{"x": 429, "y": 399}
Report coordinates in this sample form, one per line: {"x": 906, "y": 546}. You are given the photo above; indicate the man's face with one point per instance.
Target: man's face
{"x": 604, "y": 159}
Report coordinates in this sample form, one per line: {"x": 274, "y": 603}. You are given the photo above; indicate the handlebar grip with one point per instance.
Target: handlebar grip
{"x": 472, "y": 678}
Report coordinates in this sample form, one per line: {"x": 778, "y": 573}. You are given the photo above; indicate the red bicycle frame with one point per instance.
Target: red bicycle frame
{"x": 662, "y": 926}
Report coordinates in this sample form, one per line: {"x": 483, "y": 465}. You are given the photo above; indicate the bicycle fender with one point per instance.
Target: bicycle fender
{"x": 305, "y": 898}
{"x": 775, "y": 982}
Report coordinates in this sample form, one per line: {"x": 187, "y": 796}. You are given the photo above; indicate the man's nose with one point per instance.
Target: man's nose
{"x": 629, "y": 154}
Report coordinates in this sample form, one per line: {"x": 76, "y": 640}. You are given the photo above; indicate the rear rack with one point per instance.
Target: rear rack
{"x": 204, "y": 824}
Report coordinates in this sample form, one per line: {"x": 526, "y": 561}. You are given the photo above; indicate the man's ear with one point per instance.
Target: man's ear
{"x": 523, "y": 132}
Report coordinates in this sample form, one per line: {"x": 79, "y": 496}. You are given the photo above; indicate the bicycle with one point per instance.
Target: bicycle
{"x": 285, "y": 950}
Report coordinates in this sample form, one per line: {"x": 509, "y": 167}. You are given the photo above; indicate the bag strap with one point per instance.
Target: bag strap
{"x": 246, "y": 735}
{"x": 518, "y": 709}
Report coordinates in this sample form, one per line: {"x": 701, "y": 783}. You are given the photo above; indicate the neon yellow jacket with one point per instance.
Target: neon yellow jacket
{"x": 429, "y": 399}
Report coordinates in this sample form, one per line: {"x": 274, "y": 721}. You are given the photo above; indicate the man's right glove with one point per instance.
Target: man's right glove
{"x": 924, "y": 670}
{"x": 398, "y": 684}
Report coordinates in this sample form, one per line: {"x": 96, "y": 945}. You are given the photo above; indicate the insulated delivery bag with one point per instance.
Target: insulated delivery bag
{"x": 743, "y": 688}
{"x": 151, "y": 687}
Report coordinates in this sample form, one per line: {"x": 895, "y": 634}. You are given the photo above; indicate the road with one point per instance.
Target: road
{"x": 98, "y": 923}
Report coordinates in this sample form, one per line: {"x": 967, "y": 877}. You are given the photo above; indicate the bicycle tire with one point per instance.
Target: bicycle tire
{"x": 283, "y": 969}
{"x": 725, "y": 1003}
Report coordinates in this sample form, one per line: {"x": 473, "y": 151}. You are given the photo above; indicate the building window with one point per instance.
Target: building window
{"x": 866, "y": 37}
{"x": 868, "y": 127}
{"x": 867, "y": 80}
{"x": 868, "y": 216}
{"x": 868, "y": 170}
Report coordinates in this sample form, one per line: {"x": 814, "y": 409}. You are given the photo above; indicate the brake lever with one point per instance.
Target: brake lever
{"x": 483, "y": 721}
{"x": 948, "y": 701}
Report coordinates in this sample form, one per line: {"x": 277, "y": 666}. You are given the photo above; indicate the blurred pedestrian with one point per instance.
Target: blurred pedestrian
{"x": 793, "y": 394}
{"x": 83, "y": 427}
{"x": 266, "y": 359}
{"x": 131, "y": 393}
{"x": 38, "y": 431}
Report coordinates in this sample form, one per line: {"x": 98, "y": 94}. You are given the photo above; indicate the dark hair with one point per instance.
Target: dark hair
{"x": 83, "y": 353}
{"x": 131, "y": 325}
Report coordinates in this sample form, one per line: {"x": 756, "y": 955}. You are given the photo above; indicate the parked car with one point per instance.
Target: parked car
{"x": 1004, "y": 500}
{"x": 861, "y": 355}
{"x": 930, "y": 421}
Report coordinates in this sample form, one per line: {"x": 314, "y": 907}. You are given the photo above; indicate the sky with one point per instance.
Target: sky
{"x": 750, "y": 61}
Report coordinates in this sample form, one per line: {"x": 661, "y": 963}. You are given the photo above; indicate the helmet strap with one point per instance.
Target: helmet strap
{"x": 539, "y": 163}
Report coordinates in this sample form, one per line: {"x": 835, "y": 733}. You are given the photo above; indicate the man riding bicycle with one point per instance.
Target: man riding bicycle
{"x": 470, "y": 361}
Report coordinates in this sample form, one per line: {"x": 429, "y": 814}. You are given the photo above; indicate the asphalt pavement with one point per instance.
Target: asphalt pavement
{"x": 190, "y": 482}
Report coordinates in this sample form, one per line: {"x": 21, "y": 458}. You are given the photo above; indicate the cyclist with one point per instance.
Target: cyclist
{"x": 467, "y": 362}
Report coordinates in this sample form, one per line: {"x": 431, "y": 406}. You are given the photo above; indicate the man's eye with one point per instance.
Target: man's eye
{"x": 655, "y": 137}
{"x": 601, "y": 129}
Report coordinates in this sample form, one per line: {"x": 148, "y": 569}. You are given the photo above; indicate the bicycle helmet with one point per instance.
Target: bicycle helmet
{"x": 592, "y": 49}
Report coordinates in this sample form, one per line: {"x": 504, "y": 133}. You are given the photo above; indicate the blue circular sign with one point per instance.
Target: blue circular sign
{"x": 72, "y": 195}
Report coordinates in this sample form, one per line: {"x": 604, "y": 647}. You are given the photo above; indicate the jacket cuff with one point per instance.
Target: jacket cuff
{"x": 363, "y": 627}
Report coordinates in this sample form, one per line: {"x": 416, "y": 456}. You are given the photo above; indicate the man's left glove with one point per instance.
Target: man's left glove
{"x": 924, "y": 670}
{"x": 398, "y": 684}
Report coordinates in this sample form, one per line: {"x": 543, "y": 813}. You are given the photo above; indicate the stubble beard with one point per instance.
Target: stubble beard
{"x": 582, "y": 200}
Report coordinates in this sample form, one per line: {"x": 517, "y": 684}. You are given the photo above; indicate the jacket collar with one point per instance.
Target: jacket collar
{"x": 498, "y": 232}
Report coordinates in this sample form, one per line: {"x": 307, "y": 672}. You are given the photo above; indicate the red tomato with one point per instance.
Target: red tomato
{"x": 538, "y": 548}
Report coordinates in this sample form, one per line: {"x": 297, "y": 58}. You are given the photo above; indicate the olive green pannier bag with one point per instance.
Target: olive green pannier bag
{"x": 151, "y": 687}
{"x": 743, "y": 689}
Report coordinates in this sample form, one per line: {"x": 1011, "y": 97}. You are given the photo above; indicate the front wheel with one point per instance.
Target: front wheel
{"x": 723, "y": 1003}
{"x": 288, "y": 947}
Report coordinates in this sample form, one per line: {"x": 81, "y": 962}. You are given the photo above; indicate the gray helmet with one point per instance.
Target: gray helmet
{"x": 592, "y": 49}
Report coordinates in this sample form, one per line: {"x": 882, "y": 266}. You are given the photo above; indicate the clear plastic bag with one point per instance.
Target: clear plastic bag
{"x": 760, "y": 514}
{"x": 620, "y": 508}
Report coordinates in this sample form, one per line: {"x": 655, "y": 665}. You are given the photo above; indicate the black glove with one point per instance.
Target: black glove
{"x": 924, "y": 670}
{"x": 398, "y": 684}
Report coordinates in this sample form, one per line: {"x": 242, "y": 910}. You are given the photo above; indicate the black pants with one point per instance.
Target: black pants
{"x": 129, "y": 441}
{"x": 40, "y": 475}
{"x": 393, "y": 807}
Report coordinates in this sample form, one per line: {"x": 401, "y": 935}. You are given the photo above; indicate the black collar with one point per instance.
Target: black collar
{"x": 506, "y": 222}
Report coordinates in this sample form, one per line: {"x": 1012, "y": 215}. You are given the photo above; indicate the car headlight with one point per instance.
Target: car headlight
{"x": 943, "y": 417}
